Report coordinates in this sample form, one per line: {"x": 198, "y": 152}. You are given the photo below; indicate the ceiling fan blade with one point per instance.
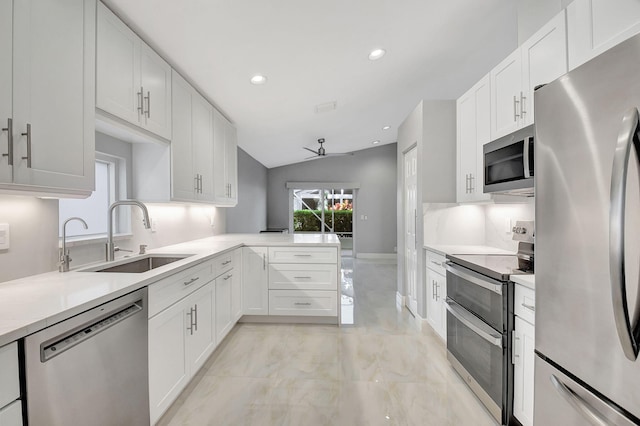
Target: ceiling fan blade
{"x": 339, "y": 154}
{"x": 313, "y": 157}
{"x": 310, "y": 150}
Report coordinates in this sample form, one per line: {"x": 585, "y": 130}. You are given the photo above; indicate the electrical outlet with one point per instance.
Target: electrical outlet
{"x": 154, "y": 224}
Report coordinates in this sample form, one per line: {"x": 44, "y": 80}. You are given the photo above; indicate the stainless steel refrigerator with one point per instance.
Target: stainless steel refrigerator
{"x": 587, "y": 369}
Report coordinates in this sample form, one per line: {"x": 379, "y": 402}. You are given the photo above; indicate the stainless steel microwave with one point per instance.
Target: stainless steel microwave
{"x": 508, "y": 164}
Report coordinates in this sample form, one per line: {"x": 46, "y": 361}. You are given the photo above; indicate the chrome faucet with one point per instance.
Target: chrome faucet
{"x": 65, "y": 259}
{"x": 111, "y": 248}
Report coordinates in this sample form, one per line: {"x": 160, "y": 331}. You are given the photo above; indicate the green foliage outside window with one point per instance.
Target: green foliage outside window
{"x": 306, "y": 221}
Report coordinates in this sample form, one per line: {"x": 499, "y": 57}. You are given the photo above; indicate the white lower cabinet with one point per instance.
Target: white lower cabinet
{"x": 11, "y": 415}
{"x": 523, "y": 364}
{"x": 237, "y": 307}
{"x": 436, "y": 293}
{"x": 303, "y": 303}
{"x": 255, "y": 280}
{"x": 224, "y": 315}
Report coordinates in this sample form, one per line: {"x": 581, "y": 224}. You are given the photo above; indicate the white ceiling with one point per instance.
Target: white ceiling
{"x": 314, "y": 52}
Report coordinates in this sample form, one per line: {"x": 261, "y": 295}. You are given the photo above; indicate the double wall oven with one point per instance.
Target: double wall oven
{"x": 480, "y": 321}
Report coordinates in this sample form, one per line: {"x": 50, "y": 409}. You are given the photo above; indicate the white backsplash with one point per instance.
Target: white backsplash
{"x": 475, "y": 224}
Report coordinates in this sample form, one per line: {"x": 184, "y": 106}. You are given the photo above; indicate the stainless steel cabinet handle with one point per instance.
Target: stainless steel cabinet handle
{"x": 466, "y": 183}
{"x": 302, "y": 255}
{"x": 302, "y": 304}
{"x": 523, "y": 98}
{"x": 588, "y": 412}
{"x": 515, "y": 108}
{"x": 191, "y": 281}
{"x": 228, "y": 276}
{"x": 628, "y": 333}
{"x": 514, "y": 345}
{"x": 436, "y": 263}
{"x": 28, "y": 135}
{"x": 195, "y": 310}
{"x": 433, "y": 289}
{"x": 190, "y": 327}
{"x": 302, "y": 278}
{"x": 472, "y": 187}
{"x": 9, "y": 130}
{"x": 196, "y": 183}
{"x": 473, "y": 323}
{"x": 529, "y": 307}
{"x": 140, "y": 101}
{"x": 226, "y": 262}
{"x": 470, "y": 277}
{"x": 148, "y": 98}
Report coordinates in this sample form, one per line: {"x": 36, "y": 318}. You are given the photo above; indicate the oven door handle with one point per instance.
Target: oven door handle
{"x": 476, "y": 325}
{"x": 496, "y": 288}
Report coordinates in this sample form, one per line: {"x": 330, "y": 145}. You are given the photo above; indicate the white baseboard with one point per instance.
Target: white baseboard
{"x": 399, "y": 299}
{"x": 385, "y": 256}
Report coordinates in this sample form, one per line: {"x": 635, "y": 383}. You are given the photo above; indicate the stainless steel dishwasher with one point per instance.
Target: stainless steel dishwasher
{"x": 91, "y": 369}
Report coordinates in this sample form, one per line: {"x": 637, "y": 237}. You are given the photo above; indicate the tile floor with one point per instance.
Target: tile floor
{"x": 380, "y": 370}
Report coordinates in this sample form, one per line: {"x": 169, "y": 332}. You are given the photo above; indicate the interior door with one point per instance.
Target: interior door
{"x": 410, "y": 222}
{"x": 54, "y": 93}
{"x": 6, "y": 38}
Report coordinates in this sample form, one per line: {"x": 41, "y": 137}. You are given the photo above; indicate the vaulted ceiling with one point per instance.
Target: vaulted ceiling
{"x": 316, "y": 52}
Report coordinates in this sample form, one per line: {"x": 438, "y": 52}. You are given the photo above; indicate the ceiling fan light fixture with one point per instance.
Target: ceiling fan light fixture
{"x": 258, "y": 79}
{"x": 376, "y": 54}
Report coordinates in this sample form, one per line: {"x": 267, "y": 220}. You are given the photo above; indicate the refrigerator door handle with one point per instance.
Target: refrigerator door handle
{"x": 588, "y": 412}
{"x": 525, "y": 159}
{"x": 628, "y": 333}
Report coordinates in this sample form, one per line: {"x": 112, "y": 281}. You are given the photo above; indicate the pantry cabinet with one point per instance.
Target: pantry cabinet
{"x": 47, "y": 91}
{"x": 594, "y": 26}
{"x": 225, "y": 161}
{"x": 540, "y": 60}
{"x": 473, "y": 131}
{"x": 133, "y": 81}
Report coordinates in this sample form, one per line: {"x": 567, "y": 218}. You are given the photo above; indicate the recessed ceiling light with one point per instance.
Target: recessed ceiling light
{"x": 386, "y": 127}
{"x": 377, "y": 54}
{"x": 375, "y": 142}
{"x": 258, "y": 79}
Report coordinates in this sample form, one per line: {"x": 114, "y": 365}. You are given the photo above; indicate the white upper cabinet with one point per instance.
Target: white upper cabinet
{"x": 225, "y": 161}
{"x": 202, "y": 122}
{"x": 540, "y": 60}
{"x": 6, "y": 88}
{"x": 473, "y": 122}
{"x": 47, "y": 89}
{"x": 597, "y": 25}
{"x": 133, "y": 82}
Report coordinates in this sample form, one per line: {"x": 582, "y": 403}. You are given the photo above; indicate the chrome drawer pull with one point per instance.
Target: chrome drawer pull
{"x": 436, "y": 263}
{"x": 302, "y": 278}
{"x": 191, "y": 281}
{"x": 9, "y": 130}
{"x": 529, "y": 307}
{"x": 226, "y": 262}
{"x": 228, "y": 276}
{"x": 302, "y": 255}
{"x": 302, "y": 303}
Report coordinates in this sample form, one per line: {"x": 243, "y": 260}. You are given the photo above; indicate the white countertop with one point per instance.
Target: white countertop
{"x": 464, "y": 249}
{"x": 526, "y": 280}
{"x": 32, "y": 303}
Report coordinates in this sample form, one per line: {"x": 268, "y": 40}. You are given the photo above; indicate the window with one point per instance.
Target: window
{"x": 110, "y": 186}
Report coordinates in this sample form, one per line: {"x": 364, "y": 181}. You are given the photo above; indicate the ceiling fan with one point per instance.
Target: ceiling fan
{"x": 320, "y": 153}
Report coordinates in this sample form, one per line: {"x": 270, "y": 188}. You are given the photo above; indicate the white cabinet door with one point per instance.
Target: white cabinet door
{"x": 224, "y": 317}
{"x": 544, "y": 59}
{"x": 155, "y": 81}
{"x": 11, "y": 415}
{"x": 199, "y": 317}
{"x": 168, "y": 369}
{"x": 231, "y": 152}
{"x": 436, "y": 292}
{"x": 473, "y": 122}
{"x": 505, "y": 95}
{"x": 54, "y": 93}
{"x": 237, "y": 307}
{"x": 595, "y": 26}
{"x": 9, "y": 372}
{"x": 202, "y": 122}
{"x": 523, "y": 371}
{"x": 183, "y": 177}
{"x": 118, "y": 68}
{"x": 6, "y": 88}
{"x": 255, "y": 280}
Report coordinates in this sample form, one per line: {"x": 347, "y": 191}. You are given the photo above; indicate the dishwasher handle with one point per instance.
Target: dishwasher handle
{"x": 66, "y": 341}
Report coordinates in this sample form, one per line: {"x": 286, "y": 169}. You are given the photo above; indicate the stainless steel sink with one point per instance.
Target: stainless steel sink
{"x": 139, "y": 265}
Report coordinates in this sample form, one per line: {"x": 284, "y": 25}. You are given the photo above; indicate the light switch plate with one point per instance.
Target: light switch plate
{"x": 5, "y": 239}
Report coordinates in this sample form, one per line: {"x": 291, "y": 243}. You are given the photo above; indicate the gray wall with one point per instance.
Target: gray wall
{"x": 533, "y": 14}
{"x": 250, "y": 214}
{"x": 375, "y": 170}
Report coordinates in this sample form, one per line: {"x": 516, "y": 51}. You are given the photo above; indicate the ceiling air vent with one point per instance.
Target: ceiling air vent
{"x": 326, "y": 107}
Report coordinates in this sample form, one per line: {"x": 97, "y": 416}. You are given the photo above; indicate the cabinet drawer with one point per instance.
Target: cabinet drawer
{"x": 436, "y": 262}
{"x": 303, "y": 255}
{"x": 9, "y": 379}
{"x": 305, "y": 277}
{"x": 222, "y": 263}
{"x": 167, "y": 291}
{"x": 524, "y": 303}
{"x": 303, "y": 302}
